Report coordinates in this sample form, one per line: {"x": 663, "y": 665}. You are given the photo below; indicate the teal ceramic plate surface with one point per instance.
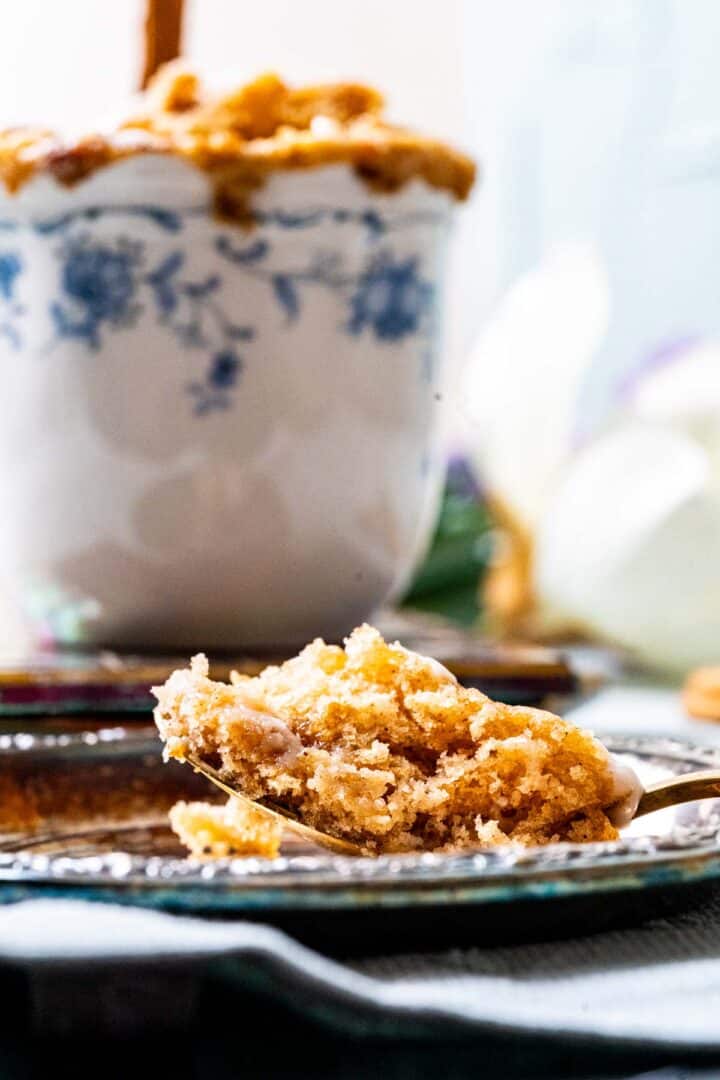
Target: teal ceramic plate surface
{"x": 84, "y": 814}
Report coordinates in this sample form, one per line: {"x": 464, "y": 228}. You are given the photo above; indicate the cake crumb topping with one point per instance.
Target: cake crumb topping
{"x": 240, "y": 138}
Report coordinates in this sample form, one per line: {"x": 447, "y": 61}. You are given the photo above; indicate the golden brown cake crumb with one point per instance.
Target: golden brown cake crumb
{"x": 241, "y": 137}
{"x": 220, "y": 832}
{"x": 701, "y": 693}
{"x": 382, "y": 746}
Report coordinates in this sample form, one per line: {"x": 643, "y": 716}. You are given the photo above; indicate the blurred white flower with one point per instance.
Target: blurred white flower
{"x": 522, "y": 382}
{"x": 625, "y": 529}
{"x": 629, "y": 542}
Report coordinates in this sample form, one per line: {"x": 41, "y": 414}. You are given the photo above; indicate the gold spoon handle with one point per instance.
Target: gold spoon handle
{"x": 679, "y": 789}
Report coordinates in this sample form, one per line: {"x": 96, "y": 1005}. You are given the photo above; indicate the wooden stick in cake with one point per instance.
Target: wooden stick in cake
{"x": 163, "y": 34}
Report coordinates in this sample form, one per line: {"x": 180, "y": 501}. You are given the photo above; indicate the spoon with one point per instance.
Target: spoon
{"x": 671, "y": 792}
{"x": 290, "y": 820}
{"x": 679, "y": 789}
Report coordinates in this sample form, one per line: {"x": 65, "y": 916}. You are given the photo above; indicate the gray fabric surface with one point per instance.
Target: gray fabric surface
{"x": 659, "y": 984}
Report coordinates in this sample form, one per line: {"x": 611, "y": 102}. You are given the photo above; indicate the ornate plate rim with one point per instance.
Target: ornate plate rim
{"x": 301, "y": 881}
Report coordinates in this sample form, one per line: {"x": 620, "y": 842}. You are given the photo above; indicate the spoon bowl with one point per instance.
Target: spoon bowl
{"x": 275, "y": 810}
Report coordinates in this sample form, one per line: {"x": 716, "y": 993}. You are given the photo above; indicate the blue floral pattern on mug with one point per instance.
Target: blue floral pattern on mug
{"x": 107, "y": 282}
{"x": 193, "y": 312}
{"x": 10, "y": 267}
{"x": 10, "y": 310}
{"x": 388, "y": 297}
{"x": 391, "y": 298}
{"x": 225, "y": 369}
{"x": 103, "y": 284}
{"x": 100, "y": 283}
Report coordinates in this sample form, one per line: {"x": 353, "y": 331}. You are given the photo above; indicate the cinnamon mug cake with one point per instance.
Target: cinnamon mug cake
{"x": 220, "y": 357}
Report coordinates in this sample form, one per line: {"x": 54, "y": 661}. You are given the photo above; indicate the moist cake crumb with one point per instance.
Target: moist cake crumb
{"x": 383, "y": 747}
{"x": 210, "y": 831}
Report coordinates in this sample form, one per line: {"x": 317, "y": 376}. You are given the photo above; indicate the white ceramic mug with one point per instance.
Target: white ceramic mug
{"x": 213, "y": 435}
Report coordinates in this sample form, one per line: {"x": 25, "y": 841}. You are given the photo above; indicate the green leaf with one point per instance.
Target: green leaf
{"x": 448, "y": 582}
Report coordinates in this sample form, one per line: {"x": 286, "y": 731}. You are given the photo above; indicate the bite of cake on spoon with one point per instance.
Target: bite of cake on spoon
{"x": 383, "y": 747}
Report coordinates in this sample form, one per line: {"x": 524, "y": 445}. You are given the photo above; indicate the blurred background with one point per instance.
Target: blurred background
{"x": 584, "y": 302}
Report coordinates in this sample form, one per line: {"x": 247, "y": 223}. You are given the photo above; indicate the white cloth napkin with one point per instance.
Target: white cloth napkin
{"x": 657, "y": 985}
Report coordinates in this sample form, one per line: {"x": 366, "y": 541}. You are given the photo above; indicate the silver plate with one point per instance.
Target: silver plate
{"x": 133, "y": 857}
